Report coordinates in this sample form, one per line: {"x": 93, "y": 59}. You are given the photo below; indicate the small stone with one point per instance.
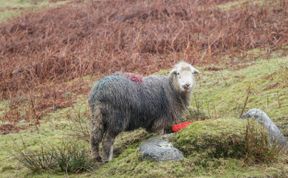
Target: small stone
{"x": 159, "y": 149}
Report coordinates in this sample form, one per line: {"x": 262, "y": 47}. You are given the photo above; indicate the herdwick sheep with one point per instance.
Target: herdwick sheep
{"x": 124, "y": 102}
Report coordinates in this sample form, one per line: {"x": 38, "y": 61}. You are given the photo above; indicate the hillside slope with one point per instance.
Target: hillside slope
{"x": 219, "y": 94}
{"x": 45, "y": 49}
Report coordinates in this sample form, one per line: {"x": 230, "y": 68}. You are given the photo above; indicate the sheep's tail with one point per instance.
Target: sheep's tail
{"x": 97, "y": 131}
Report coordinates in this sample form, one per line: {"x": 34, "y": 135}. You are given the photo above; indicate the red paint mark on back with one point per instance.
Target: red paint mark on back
{"x": 134, "y": 77}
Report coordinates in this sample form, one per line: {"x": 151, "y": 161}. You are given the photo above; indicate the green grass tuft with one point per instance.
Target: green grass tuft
{"x": 67, "y": 158}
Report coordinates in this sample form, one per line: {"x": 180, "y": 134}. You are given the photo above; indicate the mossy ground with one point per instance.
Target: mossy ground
{"x": 199, "y": 143}
{"x": 219, "y": 94}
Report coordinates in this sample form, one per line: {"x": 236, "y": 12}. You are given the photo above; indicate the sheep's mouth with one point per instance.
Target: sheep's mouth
{"x": 186, "y": 89}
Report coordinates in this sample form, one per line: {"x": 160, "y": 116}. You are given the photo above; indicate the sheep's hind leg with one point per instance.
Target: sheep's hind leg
{"x": 108, "y": 146}
{"x": 96, "y": 134}
{"x": 95, "y": 146}
{"x": 117, "y": 123}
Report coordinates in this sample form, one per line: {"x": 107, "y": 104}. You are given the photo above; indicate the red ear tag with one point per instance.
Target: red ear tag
{"x": 180, "y": 126}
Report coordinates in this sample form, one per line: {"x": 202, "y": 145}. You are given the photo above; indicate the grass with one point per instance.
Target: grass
{"x": 3, "y": 107}
{"x": 224, "y": 139}
{"x": 227, "y": 138}
{"x": 266, "y": 80}
{"x": 7, "y": 14}
{"x": 51, "y": 132}
{"x": 21, "y": 3}
{"x": 236, "y": 4}
{"x": 55, "y": 129}
{"x": 13, "y": 8}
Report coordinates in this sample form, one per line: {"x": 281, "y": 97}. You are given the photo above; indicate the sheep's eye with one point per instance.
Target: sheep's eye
{"x": 177, "y": 73}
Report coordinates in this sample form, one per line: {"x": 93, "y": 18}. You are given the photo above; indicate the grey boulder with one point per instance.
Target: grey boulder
{"x": 159, "y": 149}
{"x": 261, "y": 117}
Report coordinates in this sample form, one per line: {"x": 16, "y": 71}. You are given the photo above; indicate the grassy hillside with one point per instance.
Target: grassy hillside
{"x": 263, "y": 82}
{"x": 52, "y": 51}
{"x": 220, "y": 96}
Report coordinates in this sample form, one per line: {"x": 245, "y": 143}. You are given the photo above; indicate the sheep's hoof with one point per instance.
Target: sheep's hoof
{"x": 105, "y": 161}
{"x": 97, "y": 159}
{"x": 161, "y": 132}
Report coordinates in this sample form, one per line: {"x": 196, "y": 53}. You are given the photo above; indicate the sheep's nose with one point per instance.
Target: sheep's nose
{"x": 186, "y": 86}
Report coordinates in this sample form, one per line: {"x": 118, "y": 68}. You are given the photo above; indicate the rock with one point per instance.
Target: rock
{"x": 159, "y": 149}
{"x": 261, "y": 117}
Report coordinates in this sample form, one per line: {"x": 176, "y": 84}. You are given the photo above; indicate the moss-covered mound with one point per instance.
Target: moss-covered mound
{"x": 213, "y": 147}
{"x": 214, "y": 138}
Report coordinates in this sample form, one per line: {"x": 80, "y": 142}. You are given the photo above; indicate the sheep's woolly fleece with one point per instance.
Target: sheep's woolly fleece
{"x": 124, "y": 101}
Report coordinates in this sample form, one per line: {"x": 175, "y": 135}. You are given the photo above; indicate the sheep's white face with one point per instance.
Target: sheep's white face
{"x": 184, "y": 74}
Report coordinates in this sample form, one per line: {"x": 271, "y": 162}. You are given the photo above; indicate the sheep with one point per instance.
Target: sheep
{"x": 125, "y": 102}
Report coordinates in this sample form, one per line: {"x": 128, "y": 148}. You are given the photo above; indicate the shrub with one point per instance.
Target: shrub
{"x": 68, "y": 158}
{"x": 72, "y": 158}
{"x": 37, "y": 160}
{"x": 79, "y": 124}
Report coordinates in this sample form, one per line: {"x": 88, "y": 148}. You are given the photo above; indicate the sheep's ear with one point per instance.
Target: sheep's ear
{"x": 173, "y": 73}
{"x": 195, "y": 71}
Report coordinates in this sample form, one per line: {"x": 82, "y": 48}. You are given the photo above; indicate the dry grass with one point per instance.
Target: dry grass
{"x": 257, "y": 146}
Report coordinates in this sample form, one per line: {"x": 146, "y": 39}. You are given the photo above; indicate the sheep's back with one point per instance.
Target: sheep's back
{"x": 120, "y": 92}
{"x": 113, "y": 90}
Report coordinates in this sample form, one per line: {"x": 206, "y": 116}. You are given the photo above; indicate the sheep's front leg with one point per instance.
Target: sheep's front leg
{"x": 161, "y": 131}
{"x": 159, "y": 126}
